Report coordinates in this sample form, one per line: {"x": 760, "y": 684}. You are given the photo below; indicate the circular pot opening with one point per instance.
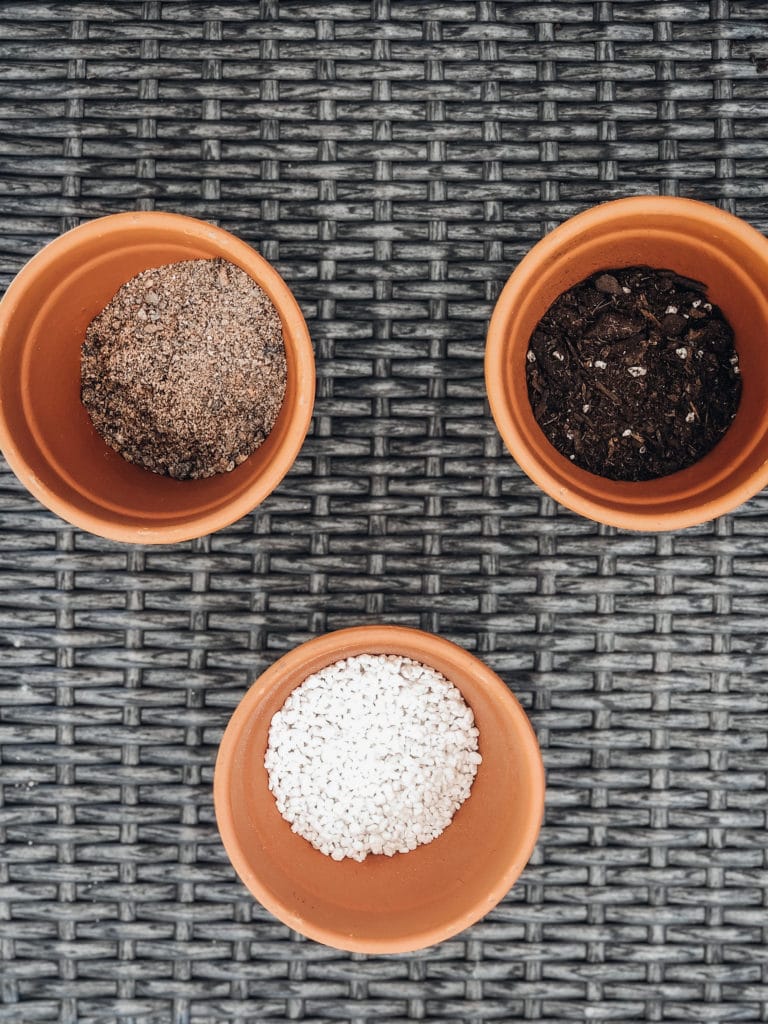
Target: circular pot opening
{"x": 46, "y": 433}
{"x": 697, "y": 241}
{"x": 384, "y": 904}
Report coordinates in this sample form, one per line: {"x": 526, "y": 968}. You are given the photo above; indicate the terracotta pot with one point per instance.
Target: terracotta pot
{"x": 45, "y": 432}
{"x": 698, "y": 241}
{"x": 384, "y": 904}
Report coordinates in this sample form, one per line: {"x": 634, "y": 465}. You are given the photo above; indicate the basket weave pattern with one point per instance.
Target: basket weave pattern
{"x": 394, "y": 159}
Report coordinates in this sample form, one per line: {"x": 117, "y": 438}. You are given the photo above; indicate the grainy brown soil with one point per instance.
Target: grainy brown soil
{"x": 184, "y": 372}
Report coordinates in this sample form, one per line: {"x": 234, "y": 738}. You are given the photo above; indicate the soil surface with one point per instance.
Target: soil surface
{"x": 184, "y": 371}
{"x": 632, "y": 374}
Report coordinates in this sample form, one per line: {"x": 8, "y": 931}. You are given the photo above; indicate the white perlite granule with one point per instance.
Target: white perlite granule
{"x": 374, "y": 754}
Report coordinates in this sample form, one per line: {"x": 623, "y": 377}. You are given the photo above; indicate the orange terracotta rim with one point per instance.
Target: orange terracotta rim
{"x": 695, "y": 239}
{"x": 86, "y": 486}
{"x": 285, "y": 891}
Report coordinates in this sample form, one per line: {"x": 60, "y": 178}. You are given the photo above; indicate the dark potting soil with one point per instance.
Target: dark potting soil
{"x": 632, "y": 374}
{"x": 184, "y": 371}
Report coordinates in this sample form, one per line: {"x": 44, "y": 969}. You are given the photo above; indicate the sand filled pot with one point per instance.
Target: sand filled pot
{"x": 384, "y": 904}
{"x": 696, "y": 241}
{"x": 45, "y": 432}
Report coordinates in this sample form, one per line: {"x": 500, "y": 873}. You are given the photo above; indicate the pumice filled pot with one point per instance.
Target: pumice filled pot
{"x": 46, "y": 433}
{"x": 697, "y": 242}
{"x": 388, "y": 902}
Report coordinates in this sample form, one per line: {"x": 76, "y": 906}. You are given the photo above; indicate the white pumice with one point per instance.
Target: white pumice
{"x": 637, "y": 371}
{"x": 373, "y": 754}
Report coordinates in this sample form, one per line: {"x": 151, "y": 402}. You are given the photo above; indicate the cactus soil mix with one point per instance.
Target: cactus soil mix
{"x": 184, "y": 371}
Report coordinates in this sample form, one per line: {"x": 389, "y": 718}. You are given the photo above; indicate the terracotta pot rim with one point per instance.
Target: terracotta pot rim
{"x": 337, "y": 645}
{"x": 600, "y": 219}
{"x": 266, "y": 275}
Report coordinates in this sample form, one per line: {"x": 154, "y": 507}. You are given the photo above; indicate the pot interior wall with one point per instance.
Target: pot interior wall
{"x": 41, "y": 388}
{"x": 384, "y": 899}
{"x": 736, "y": 283}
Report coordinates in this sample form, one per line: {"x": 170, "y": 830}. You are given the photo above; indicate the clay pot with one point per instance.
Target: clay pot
{"x": 384, "y": 904}
{"x": 697, "y": 241}
{"x": 45, "y": 432}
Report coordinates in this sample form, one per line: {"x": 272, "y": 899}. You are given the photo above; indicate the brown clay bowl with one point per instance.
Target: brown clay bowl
{"x": 46, "y": 434}
{"x": 384, "y": 904}
{"x": 697, "y": 241}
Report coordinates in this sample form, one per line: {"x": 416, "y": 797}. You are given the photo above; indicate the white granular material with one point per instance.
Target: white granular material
{"x": 374, "y": 754}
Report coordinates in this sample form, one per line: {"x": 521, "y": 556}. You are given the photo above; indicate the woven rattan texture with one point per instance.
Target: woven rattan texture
{"x": 394, "y": 159}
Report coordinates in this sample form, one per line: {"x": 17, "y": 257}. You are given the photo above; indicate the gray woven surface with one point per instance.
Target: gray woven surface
{"x": 394, "y": 159}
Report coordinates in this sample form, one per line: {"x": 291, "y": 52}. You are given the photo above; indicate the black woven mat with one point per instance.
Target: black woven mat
{"x": 394, "y": 159}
